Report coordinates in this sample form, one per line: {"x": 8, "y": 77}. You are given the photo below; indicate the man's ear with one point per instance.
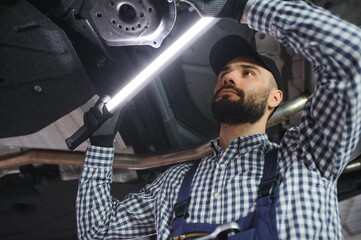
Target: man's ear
{"x": 275, "y": 98}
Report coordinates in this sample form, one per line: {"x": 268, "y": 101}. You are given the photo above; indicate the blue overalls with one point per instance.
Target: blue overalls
{"x": 260, "y": 224}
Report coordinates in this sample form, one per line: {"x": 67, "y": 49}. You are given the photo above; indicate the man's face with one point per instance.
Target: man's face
{"x": 242, "y": 92}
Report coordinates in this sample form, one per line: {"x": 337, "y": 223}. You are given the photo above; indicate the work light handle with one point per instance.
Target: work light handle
{"x": 82, "y": 134}
{"x": 93, "y": 120}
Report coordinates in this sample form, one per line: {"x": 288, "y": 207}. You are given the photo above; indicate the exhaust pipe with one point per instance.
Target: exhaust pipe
{"x": 139, "y": 162}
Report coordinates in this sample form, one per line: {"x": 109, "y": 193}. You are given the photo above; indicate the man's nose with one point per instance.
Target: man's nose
{"x": 228, "y": 81}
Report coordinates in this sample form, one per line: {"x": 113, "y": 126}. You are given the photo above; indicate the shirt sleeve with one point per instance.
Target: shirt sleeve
{"x": 330, "y": 124}
{"x": 99, "y": 215}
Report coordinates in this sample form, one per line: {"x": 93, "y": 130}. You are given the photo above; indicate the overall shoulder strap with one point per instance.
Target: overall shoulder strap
{"x": 184, "y": 195}
{"x": 269, "y": 181}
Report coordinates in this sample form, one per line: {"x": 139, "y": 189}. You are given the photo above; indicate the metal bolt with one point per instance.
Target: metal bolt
{"x": 262, "y": 36}
{"x": 38, "y": 88}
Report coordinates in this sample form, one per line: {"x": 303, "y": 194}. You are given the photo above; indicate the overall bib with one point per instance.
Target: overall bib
{"x": 260, "y": 224}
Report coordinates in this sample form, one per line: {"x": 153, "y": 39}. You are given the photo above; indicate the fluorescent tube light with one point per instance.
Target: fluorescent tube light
{"x": 161, "y": 62}
{"x": 145, "y": 76}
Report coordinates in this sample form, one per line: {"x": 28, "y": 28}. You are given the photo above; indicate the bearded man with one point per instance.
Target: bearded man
{"x": 269, "y": 191}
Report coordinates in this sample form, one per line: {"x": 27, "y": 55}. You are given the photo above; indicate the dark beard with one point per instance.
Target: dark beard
{"x": 239, "y": 111}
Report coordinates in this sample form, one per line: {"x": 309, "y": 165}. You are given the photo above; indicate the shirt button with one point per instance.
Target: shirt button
{"x": 222, "y": 166}
{"x": 243, "y": 151}
{"x": 216, "y": 195}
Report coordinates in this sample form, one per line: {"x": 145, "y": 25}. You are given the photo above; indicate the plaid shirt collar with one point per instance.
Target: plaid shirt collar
{"x": 239, "y": 145}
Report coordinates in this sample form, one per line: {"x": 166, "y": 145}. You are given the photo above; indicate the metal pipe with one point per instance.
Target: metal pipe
{"x": 121, "y": 161}
{"x": 287, "y": 110}
{"x": 137, "y": 162}
{"x": 354, "y": 165}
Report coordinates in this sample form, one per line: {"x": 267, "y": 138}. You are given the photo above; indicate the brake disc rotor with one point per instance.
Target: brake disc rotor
{"x": 132, "y": 22}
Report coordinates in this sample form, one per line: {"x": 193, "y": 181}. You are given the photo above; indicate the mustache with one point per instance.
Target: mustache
{"x": 238, "y": 91}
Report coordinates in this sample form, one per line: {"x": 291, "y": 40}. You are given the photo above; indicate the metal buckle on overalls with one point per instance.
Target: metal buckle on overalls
{"x": 267, "y": 188}
{"x": 221, "y": 232}
{"x": 190, "y": 235}
{"x": 181, "y": 209}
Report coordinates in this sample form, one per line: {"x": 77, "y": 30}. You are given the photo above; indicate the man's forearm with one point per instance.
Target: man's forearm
{"x": 94, "y": 188}
{"x": 99, "y": 215}
{"x": 330, "y": 125}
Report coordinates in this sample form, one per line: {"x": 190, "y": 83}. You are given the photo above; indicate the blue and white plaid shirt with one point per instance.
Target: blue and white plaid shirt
{"x": 311, "y": 157}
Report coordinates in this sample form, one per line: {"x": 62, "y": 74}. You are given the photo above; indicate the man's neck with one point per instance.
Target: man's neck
{"x": 229, "y": 132}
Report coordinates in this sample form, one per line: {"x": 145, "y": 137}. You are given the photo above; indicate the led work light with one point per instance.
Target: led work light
{"x": 145, "y": 76}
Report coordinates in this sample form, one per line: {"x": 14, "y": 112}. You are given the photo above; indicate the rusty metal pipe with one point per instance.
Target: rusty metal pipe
{"x": 287, "y": 110}
{"x": 121, "y": 161}
{"x": 137, "y": 162}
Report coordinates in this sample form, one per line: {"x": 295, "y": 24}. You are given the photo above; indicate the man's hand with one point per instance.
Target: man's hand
{"x": 99, "y": 114}
{"x": 232, "y": 9}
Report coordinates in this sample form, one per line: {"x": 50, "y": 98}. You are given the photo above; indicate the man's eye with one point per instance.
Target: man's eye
{"x": 248, "y": 73}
